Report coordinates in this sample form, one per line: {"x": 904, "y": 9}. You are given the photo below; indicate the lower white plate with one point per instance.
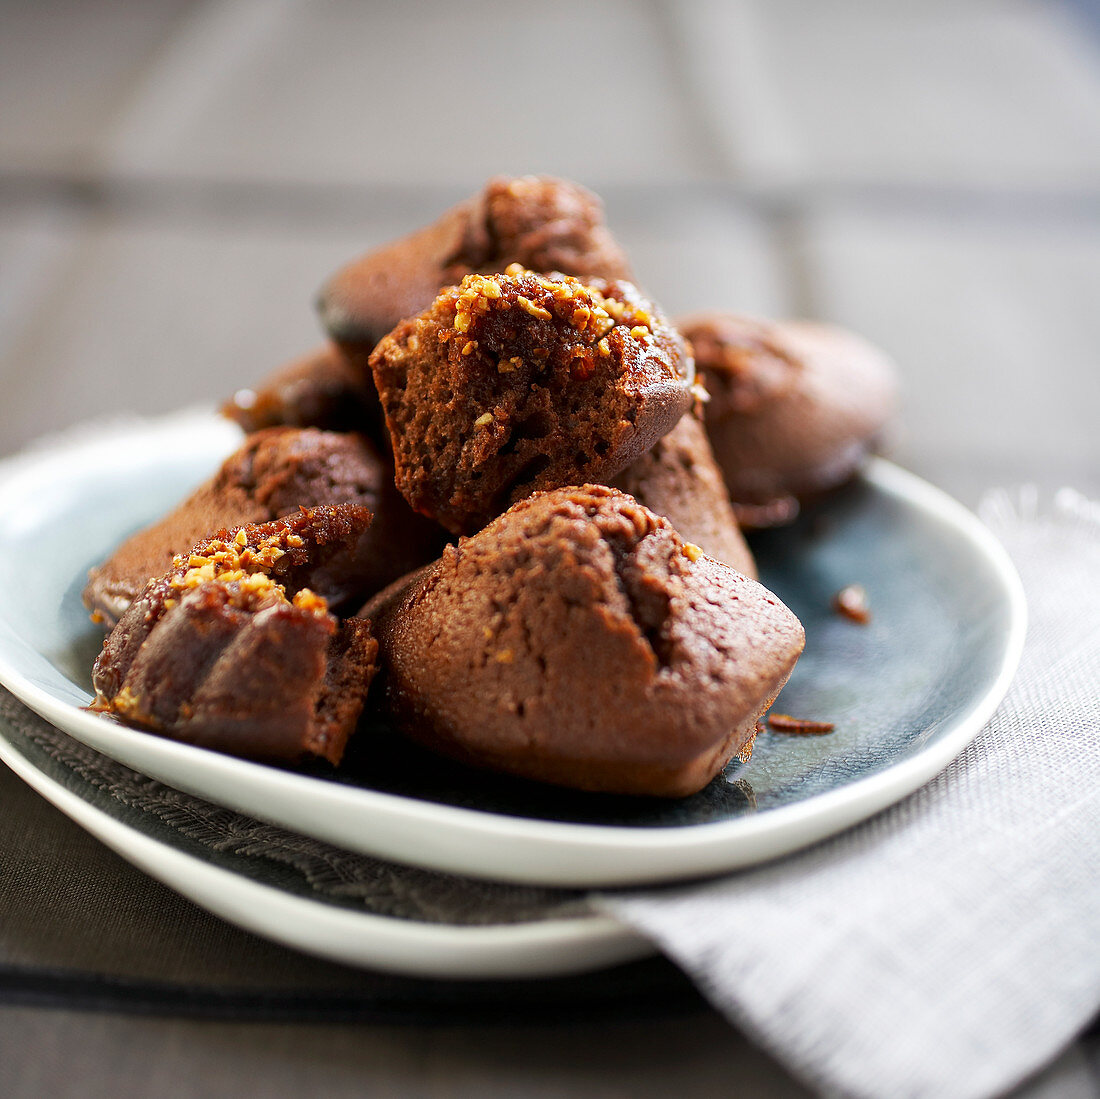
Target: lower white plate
{"x": 907, "y": 692}
{"x": 307, "y": 895}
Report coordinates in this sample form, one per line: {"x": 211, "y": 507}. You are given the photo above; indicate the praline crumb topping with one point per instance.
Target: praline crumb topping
{"x": 486, "y": 314}
{"x": 243, "y": 570}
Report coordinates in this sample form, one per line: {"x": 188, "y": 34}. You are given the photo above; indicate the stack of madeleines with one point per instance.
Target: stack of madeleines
{"x": 500, "y": 509}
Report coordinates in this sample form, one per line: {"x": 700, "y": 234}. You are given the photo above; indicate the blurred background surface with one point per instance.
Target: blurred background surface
{"x": 178, "y": 177}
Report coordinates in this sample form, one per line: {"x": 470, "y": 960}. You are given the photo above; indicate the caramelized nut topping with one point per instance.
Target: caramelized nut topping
{"x": 852, "y": 603}
{"x": 745, "y": 754}
{"x": 581, "y": 307}
{"x": 784, "y": 723}
{"x": 581, "y": 377}
{"x": 241, "y": 569}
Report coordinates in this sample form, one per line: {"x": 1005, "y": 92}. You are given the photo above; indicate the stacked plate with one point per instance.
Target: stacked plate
{"x": 404, "y": 863}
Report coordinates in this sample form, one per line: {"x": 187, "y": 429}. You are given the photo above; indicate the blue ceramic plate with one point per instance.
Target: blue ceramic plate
{"x": 906, "y": 693}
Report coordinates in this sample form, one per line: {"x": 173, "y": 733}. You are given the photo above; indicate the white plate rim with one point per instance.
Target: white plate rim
{"x": 443, "y": 837}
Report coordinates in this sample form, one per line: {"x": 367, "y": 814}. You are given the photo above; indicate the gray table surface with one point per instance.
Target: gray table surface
{"x": 178, "y": 177}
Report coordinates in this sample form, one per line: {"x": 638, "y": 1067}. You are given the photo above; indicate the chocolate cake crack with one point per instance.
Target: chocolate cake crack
{"x": 647, "y": 594}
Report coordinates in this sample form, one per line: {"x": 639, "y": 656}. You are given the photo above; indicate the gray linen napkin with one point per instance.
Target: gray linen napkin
{"x": 951, "y": 945}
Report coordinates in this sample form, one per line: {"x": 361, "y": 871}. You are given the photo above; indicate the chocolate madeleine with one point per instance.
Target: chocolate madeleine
{"x": 517, "y": 382}
{"x": 320, "y": 389}
{"x": 272, "y": 474}
{"x": 578, "y": 640}
{"x": 233, "y": 650}
{"x": 795, "y": 408}
{"x": 541, "y": 223}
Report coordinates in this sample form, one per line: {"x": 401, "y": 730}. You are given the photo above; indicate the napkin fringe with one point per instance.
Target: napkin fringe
{"x": 1003, "y": 507}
